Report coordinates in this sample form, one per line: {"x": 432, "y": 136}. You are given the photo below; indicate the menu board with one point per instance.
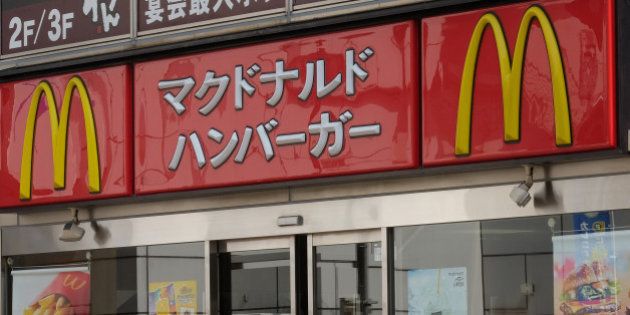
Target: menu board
{"x": 51, "y": 291}
{"x": 35, "y": 25}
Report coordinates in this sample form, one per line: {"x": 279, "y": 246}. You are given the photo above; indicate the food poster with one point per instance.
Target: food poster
{"x": 52, "y": 291}
{"x": 592, "y": 273}
{"x": 437, "y": 291}
{"x": 176, "y": 297}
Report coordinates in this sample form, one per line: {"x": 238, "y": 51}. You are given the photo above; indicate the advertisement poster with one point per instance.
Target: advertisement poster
{"x": 591, "y": 222}
{"x": 59, "y": 291}
{"x": 176, "y": 297}
{"x": 592, "y": 273}
{"x": 437, "y": 291}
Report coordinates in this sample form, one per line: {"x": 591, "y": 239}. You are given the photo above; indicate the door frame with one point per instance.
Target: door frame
{"x": 382, "y": 235}
{"x": 214, "y": 248}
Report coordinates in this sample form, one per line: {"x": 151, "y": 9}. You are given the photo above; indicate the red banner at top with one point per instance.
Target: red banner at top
{"x": 340, "y": 103}
{"x": 516, "y": 81}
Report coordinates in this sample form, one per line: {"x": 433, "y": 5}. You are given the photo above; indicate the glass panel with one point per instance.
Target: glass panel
{"x": 255, "y": 282}
{"x": 176, "y": 279}
{"x": 153, "y": 279}
{"x": 438, "y": 269}
{"x": 569, "y": 264}
{"x": 349, "y": 279}
{"x": 118, "y": 281}
{"x": 518, "y": 264}
{"x": 136, "y": 280}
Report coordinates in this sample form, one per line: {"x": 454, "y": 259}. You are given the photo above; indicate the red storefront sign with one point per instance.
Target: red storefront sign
{"x": 523, "y": 80}
{"x": 66, "y": 138}
{"x": 340, "y": 103}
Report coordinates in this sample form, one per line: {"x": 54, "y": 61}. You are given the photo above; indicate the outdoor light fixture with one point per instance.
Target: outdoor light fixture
{"x": 295, "y": 220}
{"x": 72, "y": 232}
{"x": 520, "y": 194}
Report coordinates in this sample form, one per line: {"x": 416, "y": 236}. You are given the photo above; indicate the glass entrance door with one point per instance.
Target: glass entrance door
{"x": 347, "y": 273}
{"x": 256, "y": 276}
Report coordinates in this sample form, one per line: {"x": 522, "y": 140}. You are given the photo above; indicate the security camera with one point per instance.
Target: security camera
{"x": 520, "y": 194}
{"x": 72, "y": 232}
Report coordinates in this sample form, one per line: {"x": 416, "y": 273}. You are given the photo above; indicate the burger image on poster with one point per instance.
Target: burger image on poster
{"x": 589, "y": 291}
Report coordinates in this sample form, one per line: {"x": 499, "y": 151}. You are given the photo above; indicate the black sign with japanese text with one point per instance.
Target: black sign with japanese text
{"x": 158, "y": 15}
{"x": 298, "y": 4}
{"x": 36, "y": 25}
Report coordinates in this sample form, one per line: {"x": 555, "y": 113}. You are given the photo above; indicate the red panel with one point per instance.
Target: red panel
{"x": 585, "y": 33}
{"x": 388, "y": 98}
{"x": 109, "y": 92}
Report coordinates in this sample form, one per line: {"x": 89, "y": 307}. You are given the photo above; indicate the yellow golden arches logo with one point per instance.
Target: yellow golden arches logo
{"x": 73, "y": 282}
{"x": 511, "y": 79}
{"x": 59, "y": 132}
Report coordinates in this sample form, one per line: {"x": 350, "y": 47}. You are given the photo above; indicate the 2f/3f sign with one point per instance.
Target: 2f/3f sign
{"x": 518, "y": 81}
{"x": 69, "y": 138}
{"x": 33, "y": 25}
{"x": 23, "y": 32}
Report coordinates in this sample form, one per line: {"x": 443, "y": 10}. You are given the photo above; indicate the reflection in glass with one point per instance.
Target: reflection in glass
{"x": 349, "y": 279}
{"x": 149, "y": 280}
{"x": 118, "y": 281}
{"x": 518, "y": 264}
{"x": 255, "y": 282}
{"x": 493, "y": 267}
{"x": 134, "y": 280}
{"x": 176, "y": 279}
{"x": 437, "y": 269}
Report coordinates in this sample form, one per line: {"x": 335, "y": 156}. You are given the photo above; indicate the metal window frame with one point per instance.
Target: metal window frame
{"x": 346, "y": 237}
{"x": 622, "y": 33}
{"x": 211, "y": 278}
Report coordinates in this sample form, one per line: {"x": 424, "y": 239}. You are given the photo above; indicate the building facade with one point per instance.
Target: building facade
{"x": 314, "y": 157}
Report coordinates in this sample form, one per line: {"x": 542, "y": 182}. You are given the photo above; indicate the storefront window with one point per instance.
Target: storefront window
{"x": 518, "y": 264}
{"x": 118, "y": 281}
{"x": 349, "y": 279}
{"x": 560, "y": 264}
{"x": 136, "y": 280}
{"x": 255, "y": 282}
{"x": 176, "y": 271}
{"x": 569, "y": 264}
{"x": 437, "y": 269}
